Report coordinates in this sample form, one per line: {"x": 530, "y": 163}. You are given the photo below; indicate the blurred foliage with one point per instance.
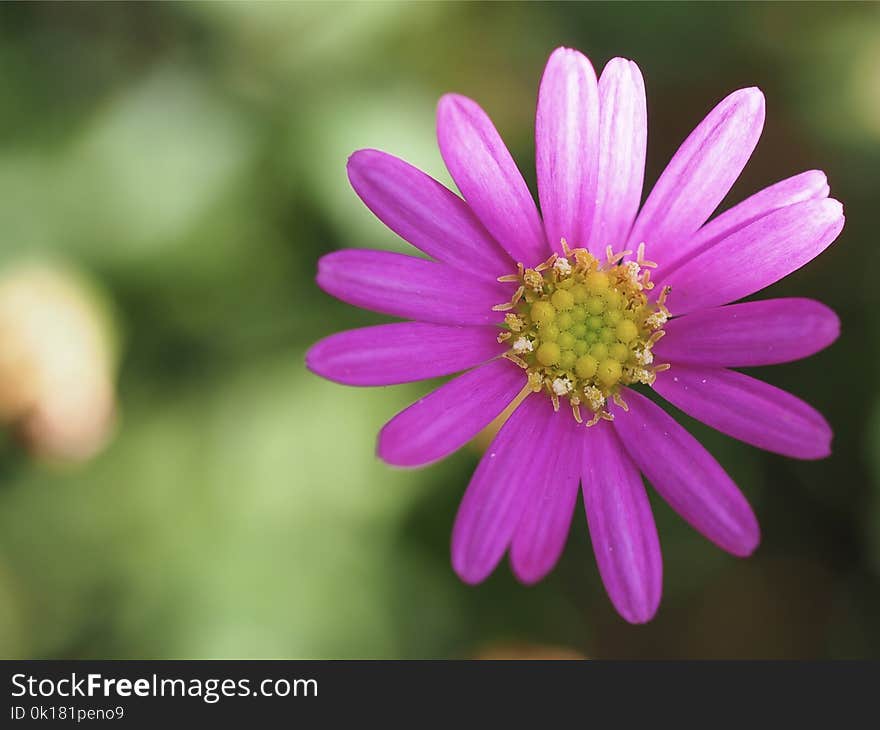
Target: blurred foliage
{"x": 189, "y": 159}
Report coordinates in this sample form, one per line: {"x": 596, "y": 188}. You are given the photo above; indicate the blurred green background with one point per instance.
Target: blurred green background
{"x": 169, "y": 174}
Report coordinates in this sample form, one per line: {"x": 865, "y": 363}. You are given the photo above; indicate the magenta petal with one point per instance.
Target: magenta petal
{"x": 404, "y": 286}
{"x": 488, "y": 178}
{"x": 623, "y": 139}
{"x": 747, "y": 409}
{"x": 749, "y": 334}
{"x": 700, "y": 174}
{"x": 450, "y": 416}
{"x": 686, "y": 475}
{"x": 621, "y": 526}
{"x": 810, "y": 185}
{"x": 499, "y": 491}
{"x": 541, "y": 534}
{"x": 388, "y": 354}
{"x": 566, "y": 147}
{"x": 428, "y": 215}
{"x": 756, "y": 256}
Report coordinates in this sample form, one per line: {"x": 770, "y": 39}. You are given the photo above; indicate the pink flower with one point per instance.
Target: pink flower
{"x": 569, "y": 307}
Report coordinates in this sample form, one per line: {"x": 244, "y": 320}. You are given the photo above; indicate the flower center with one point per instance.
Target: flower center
{"x": 582, "y": 329}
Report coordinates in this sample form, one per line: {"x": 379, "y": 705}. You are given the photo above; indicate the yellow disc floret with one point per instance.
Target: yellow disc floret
{"x": 563, "y": 300}
{"x": 584, "y": 329}
{"x": 548, "y": 354}
{"x": 626, "y": 330}
{"x": 585, "y": 366}
{"x": 542, "y": 312}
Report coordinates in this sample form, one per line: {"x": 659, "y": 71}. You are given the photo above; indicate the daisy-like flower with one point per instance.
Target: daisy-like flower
{"x": 576, "y": 305}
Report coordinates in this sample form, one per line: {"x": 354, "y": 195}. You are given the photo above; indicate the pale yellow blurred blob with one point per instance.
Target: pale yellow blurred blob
{"x": 482, "y": 440}
{"x": 524, "y": 651}
{"x": 864, "y": 85}
{"x": 56, "y": 362}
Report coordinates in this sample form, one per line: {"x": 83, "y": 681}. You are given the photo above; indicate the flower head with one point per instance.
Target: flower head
{"x": 577, "y": 306}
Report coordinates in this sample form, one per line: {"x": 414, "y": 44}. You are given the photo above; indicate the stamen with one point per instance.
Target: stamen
{"x": 643, "y": 356}
{"x": 562, "y": 266}
{"x": 513, "y": 322}
{"x": 562, "y": 386}
{"x": 658, "y": 319}
{"x": 576, "y": 408}
{"x": 631, "y": 270}
{"x": 583, "y": 260}
{"x": 641, "y": 375}
{"x": 547, "y": 264}
{"x": 533, "y": 280}
{"x": 566, "y": 251}
{"x": 615, "y": 258}
{"x": 582, "y": 329}
{"x": 641, "y": 260}
{"x": 512, "y": 303}
{"x": 513, "y": 277}
{"x": 594, "y": 397}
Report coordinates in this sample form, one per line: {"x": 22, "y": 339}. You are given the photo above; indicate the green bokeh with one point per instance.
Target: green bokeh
{"x": 190, "y": 159}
